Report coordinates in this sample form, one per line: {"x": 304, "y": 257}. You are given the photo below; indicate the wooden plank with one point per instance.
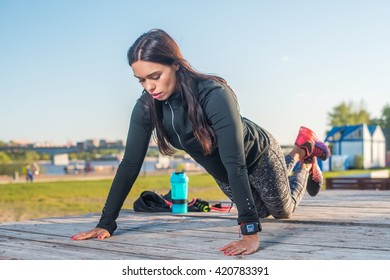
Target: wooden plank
{"x": 198, "y": 232}
{"x": 135, "y": 247}
{"x": 358, "y": 183}
{"x": 280, "y": 238}
{"x": 333, "y": 225}
{"x": 304, "y": 215}
{"x": 28, "y": 249}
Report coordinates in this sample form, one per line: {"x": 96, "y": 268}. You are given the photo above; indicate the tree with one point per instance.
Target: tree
{"x": 349, "y": 114}
{"x": 31, "y": 156}
{"x": 384, "y": 123}
{"x": 386, "y": 116}
{"x": 4, "y": 158}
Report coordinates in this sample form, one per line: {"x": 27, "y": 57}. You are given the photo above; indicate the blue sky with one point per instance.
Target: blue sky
{"x": 64, "y": 74}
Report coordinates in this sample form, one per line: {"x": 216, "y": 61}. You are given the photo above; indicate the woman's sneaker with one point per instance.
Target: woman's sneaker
{"x": 308, "y": 141}
{"x": 315, "y": 179}
{"x": 321, "y": 151}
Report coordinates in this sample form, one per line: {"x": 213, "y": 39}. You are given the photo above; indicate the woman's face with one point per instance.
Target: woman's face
{"x": 157, "y": 79}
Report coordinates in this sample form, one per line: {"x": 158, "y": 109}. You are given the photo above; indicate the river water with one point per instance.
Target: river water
{"x": 148, "y": 165}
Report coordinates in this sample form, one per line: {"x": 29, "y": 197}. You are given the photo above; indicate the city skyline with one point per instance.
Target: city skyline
{"x": 64, "y": 74}
{"x": 95, "y": 141}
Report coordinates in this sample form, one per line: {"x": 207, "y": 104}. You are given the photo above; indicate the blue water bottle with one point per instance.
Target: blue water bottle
{"x": 179, "y": 192}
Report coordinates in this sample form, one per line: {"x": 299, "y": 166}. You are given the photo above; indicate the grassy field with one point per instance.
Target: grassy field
{"x": 22, "y": 201}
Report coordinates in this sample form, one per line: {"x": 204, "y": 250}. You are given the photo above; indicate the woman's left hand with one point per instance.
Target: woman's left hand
{"x": 249, "y": 244}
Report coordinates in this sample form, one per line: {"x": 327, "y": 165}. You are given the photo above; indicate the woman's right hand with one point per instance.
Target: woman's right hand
{"x": 99, "y": 233}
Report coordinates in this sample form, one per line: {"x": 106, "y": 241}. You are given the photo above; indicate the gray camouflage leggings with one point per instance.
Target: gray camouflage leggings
{"x": 274, "y": 191}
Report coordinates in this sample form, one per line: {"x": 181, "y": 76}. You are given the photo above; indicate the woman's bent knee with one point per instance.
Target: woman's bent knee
{"x": 284, "y": 215}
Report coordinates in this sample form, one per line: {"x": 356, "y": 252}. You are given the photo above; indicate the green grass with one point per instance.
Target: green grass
{"x": 21, "y": 201}
{"x": 332, "y": 174}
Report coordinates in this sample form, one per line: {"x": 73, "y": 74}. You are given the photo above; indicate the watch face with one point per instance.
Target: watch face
{"x": 250, "y": 228}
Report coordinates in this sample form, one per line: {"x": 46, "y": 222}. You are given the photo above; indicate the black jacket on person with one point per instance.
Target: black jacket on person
{"x": 238, "y": 148}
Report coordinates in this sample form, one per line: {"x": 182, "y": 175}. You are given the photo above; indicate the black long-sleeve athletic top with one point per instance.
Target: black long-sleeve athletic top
{"x": 239, "y": 146}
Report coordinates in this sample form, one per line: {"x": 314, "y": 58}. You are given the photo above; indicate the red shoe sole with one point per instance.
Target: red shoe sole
{"x": 305, "y": 135}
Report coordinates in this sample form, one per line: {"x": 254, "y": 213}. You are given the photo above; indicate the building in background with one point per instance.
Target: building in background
{"x": 357, "y": 146}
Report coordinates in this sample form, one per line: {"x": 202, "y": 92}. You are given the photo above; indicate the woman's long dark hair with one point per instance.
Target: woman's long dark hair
{"x": 158, "y": 47}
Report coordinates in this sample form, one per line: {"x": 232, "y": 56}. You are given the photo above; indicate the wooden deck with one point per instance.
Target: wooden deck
{"x": 337, "y": 224}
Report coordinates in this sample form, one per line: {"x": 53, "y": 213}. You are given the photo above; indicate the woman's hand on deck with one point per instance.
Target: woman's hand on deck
{"x": 249, "y": 244}
{"x": 99, "y": 233}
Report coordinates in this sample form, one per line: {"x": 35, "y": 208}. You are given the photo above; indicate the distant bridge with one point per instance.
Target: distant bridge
{"x": 74, "y": 149}
{"x": 42, "y": 150}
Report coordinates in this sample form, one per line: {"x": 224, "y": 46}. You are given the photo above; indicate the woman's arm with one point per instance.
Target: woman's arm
{"x": 221, "y": 108}
{"x": 137, "y": 143}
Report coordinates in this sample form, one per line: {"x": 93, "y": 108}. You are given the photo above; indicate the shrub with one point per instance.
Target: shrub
{"x": 358, "y": 162}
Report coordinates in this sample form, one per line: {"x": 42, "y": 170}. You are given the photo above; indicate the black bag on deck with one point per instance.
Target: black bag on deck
{"x": 151, "y": 202}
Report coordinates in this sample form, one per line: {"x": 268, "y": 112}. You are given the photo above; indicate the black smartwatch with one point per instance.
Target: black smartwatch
{"x": 250, "y": 228}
